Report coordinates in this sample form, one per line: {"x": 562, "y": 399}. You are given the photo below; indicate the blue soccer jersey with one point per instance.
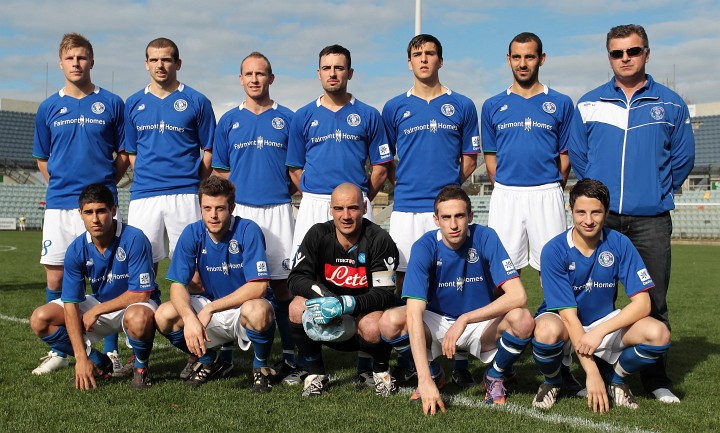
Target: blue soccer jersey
{"x": 77, "y": 137}
{"x": 166, "y": 136}
{"x": 590, "y": 284}
{"x": 332, "y": 147}
{"x": 254, "y": 148}
{"x": 453, "y": 282}
{"x": 126, "y": 265}
{"x": 430, "y": 138}
{"x": 224, "y": 266}
{"x": 527, "y": 135}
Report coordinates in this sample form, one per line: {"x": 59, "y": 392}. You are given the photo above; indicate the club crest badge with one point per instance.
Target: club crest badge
{"x": 98, "y": 108}
{"x": 353, "y": 119}
{"x": 233, "y": 247}
{"x": 361, "y": 258}
{"x": 657, "y": 113}
{"x": 278, "y": 123}
{"x": 472, "y": 255}
{"x": 120, "y": 255}
{"x": 236, "y": 125}
{"x": 447, "y": 109}
{"x": 180, "y": 105}
{"x": 606, "y": 259}
{"x": 549, "y": 107}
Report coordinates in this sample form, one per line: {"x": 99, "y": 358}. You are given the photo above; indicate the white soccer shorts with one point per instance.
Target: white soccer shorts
{"x": 315, "y": 208}
{"x": 277, "y": 224}
{"x": 163, "y": 218}
{"x": 108, "y": 323}
{"x": 524, "y": 216}
{"x": 406, "y": 228}
{"x": 469, "y": 340}
{"x": 224, "y": 326}
{"x": 60, "y": 228}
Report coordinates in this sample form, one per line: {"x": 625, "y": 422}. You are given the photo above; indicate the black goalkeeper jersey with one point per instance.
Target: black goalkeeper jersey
{"x": 323, "y": 262}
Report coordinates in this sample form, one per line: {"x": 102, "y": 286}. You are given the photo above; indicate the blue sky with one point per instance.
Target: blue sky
{"x": 213, "y": 37}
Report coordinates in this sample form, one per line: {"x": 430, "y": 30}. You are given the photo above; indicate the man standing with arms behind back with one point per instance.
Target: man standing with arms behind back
{"x": 168, "y": 123}
{"x": 435, "y": 132}
{"x": 79, "y": 128}
{"x": 250, "y": 150}
{"x": 637, "y": 139}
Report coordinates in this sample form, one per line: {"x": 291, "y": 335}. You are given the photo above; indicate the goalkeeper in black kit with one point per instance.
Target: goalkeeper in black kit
{"x": 343, "y": 278}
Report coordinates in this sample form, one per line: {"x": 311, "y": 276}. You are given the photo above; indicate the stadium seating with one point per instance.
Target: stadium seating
{"x": 16, "y": 137}
{"x": 707, "y": 140}
{"x": 27, "y": 199}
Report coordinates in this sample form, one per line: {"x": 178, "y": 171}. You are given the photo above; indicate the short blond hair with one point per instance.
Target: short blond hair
{"x": 75, "y": 40}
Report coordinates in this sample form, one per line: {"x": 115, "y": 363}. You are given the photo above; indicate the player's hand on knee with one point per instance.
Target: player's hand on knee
{"x": 204, "y": 316}
{"x": 195, "y": 338}
{"x": 451, "y": 337}
{"x": 589, "y": 343}
{"x": 325, "y": 309}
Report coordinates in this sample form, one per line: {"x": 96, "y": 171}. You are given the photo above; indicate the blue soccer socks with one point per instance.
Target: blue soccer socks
{"x": 142, "y": 349}
{"x": 636, "y": 358}
{"x": 548, "y": 358}
{"x": 509, "y": 349}
{"x": 262, "y": 344}
{"x": 59, "y": 342}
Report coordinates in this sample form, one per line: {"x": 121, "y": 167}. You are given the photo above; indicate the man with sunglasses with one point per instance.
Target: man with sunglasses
{"x": 637, "y": 139}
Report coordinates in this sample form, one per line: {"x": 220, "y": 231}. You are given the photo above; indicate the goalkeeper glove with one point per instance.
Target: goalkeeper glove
{"x": 327, "y": 308}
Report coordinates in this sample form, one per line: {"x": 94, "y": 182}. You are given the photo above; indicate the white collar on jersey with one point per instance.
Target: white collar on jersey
{"x": 317, "y": 102}
{"x": 62, "y": 91}
{"x": 118, "y": 231}
{"x": 447, "y": 92}
{"x": 180, "y": 88}
{"x": 546, "y": 89}
{"x": 570, "y": 242}
{"x": 242, "y": 106}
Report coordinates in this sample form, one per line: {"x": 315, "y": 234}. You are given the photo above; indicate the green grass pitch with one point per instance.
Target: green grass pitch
{"x": 48, "y": 403}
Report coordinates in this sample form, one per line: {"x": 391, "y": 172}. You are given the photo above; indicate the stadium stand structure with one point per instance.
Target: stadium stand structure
{"x": 30, "y": 200}
{"x": 16, "y": 144}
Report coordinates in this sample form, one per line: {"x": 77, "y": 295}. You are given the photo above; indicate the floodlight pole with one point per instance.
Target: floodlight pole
{"x": 418, "y": 17}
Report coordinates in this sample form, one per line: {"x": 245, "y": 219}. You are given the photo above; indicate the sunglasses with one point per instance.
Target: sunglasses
{"x": 631, "y": 52}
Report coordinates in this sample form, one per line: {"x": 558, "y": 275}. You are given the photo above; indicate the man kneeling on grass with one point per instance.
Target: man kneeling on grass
{"x": 229, "y": 254}
{"x": 581, "y": 269}
{"x": 343, "y": 278}
{"x": 450, "y": 287}
{"x": 117, "y": 261}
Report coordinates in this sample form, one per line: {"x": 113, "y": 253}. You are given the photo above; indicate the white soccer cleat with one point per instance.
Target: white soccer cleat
{"x": 117, "y": 364}
{"x": 51, "y": 362}
{"x": 546, "y": 396}
{"x": 664, "y": 395}
{"x": 384, "y": 384}
{"x": 622, "y": 396}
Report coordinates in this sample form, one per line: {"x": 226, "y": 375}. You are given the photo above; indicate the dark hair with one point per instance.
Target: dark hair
{"x": 257, "y": 55}
{"x": 524, "y": 38}
{"x": 215, "y": 186}
{"x": 336, "y": 49}
{"x": 163, "y": 43}
{"x": 452, "y": 192}
{"x": 590, "y": 188}
{"x": 421, "y": 39}
{"x": 96, "y": 193}
{"x": 75, "y": 40}
{"x": 626, "y": 30}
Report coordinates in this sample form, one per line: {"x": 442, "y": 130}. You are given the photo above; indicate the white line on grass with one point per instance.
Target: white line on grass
{"x": 14, "y": 319}
{"x": 573, "y": 421}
